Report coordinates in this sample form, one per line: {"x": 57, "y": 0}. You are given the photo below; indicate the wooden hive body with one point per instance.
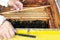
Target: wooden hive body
{"x": 47, "y": 12}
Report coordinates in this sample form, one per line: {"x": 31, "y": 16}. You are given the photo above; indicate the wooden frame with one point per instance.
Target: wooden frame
{"x": 54, "y": 15}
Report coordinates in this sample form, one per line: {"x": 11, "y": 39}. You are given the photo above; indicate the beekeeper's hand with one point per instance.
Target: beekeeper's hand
{"x": 16, "y": 4}
{"x": 6, "y": 30}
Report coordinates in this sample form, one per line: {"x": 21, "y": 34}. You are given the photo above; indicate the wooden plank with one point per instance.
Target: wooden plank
{"x": 55, "y": 13}
{"x": 31, "y": 13}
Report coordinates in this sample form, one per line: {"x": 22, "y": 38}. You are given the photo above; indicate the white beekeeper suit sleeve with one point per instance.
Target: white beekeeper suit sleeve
{"x": 3, "y": 3}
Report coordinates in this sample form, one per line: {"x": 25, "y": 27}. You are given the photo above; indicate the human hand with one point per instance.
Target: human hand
{"x": 6, "y": 30}
{"x": 16, "y": 4}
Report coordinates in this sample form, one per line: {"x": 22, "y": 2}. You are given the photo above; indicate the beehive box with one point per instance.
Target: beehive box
{"x": 29, "y": 14}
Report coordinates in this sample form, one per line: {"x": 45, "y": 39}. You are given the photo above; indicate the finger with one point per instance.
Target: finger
{"x": 19, "y": 5}
{"x": 4, "y": 36}
{"x": 8, "y": 34}
{"x": 11, "y": 31}
{"x": 15, "y": 8}
{"x": 11, "y": 27}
